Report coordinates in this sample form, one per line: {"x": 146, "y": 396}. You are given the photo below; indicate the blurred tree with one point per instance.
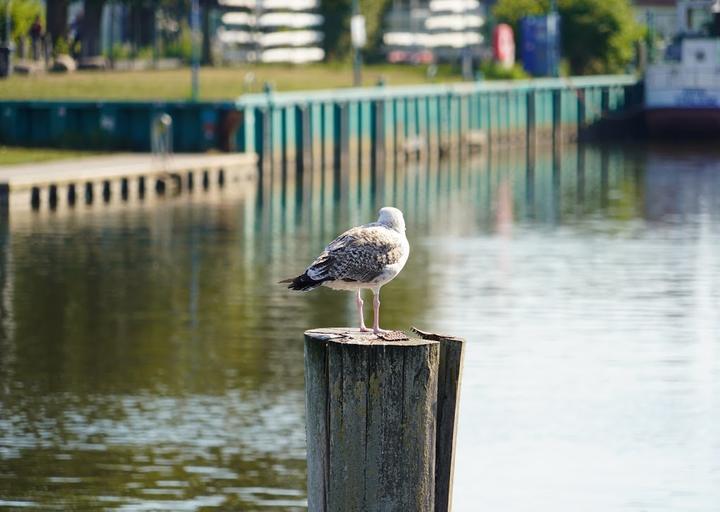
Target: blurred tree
{"x": 141, "y": 23}
{"x": 597, "y": 36}
{"x": 56, "y": 13}
{"x": 336, "y": 26}
{"x": 90, "y": 28}
{"x": 22, "y": 15}
{"x": 206, "y": 7}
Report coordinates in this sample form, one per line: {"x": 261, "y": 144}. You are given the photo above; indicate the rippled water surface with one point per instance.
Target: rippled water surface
{"x": 148, "y": 360}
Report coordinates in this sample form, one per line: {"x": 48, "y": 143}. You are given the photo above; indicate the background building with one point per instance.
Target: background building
{"x": 420, "y": 30}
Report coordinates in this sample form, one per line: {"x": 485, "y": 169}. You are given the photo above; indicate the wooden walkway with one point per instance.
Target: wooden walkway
{"x": 50, "y": 184}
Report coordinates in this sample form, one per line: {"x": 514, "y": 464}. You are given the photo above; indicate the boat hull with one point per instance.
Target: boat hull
{"x": 683, "y": 121}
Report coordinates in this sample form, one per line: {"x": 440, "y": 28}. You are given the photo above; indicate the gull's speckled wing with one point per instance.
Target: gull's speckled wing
{"x": 360, "y": 254}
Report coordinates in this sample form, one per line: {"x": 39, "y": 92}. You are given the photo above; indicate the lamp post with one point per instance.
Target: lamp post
{"x": 195, "y": 64}
{"x": 7, "y": 23}
{"x": 358, "y": 37}
{"x": 6, "y": 47}
{"x": 553, "y": 29}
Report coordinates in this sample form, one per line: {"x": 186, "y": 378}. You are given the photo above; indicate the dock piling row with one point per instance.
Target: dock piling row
{"x": 121, "y": 177}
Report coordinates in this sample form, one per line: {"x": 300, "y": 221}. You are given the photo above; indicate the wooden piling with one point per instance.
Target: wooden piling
{"x": 53, "y": 196}
{"x": 89, "y": 192}
{"x": 71, "y": 194}
{"x": 35, "y": 198}
{"x": 449, "y": 381}
{"x": 381, "y": 419}
{"x": 4, "y": 200}
{"x": 124, "y": 189}
{"x": 106, "y": 191}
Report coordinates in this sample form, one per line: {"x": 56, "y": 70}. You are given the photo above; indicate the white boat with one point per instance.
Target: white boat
{"x": 682, "y": 90}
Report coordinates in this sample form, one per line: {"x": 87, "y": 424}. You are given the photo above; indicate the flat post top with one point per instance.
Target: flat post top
{"x": 353, "y": 336}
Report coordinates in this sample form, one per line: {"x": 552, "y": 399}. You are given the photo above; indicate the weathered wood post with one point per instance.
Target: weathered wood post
{"x": 53, "y": 196}
{"x": 4, "y": 200}
{"x": 380, "y": 420}
{"x": 71, "y": 194}
{"x": 35, "y": 198}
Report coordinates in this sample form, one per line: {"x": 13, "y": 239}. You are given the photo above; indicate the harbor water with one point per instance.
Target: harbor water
{"x": 150, "y": 361}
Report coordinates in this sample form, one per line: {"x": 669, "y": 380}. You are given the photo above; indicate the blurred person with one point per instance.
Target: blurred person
{"x": 35, "y": 33}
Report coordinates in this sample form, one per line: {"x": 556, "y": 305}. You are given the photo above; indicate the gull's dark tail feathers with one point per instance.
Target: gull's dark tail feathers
{"x": 303, "y": 283}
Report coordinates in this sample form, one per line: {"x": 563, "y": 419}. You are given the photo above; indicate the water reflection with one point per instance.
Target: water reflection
{"x": 149, "y": 361}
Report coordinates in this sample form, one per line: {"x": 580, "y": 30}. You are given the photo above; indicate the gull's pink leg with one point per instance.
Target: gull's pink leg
{"x": 359, "y": 303}
{"x": 376, "y": 312}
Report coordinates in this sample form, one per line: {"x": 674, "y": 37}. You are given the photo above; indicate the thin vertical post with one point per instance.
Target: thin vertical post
{"x": 340, "y": 145}
{"x": 260, "y": 136}
{"x": 89, "y": 192}
{"x": 604, "y": 100}
{"x": 556, "y": 116}
{"x": 377, "y": 141}
{"x": 35, "y": 198}
{"x": 4, "y": 200}
{"x": 530, "y": 134}
{"x": 124, "y": 189}
{"x": 581, "y": 113}
{"x": 71, "y": 194}
{"x": 284, "y": 141}
{"x": 195, "y": 65}
{"x": 302, "y": 141}
{"x": 53, "y": 196}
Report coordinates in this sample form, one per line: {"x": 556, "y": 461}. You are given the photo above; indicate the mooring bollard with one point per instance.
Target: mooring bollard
{"x": 380, "y": 420}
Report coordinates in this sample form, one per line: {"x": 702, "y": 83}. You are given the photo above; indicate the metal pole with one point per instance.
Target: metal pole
{"x": 195, "y": 25}
{"x": 357, "y": 56}
{"x": 8, "y": 27}
{"x": 555, "y": 48}
{"x": 7, "y": 47}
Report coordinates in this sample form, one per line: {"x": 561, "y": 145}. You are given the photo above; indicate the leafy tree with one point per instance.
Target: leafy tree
{"x": 22, "y": 16}
{"x": 56, "y": 12}
{"x": 90, "y": 29}
{"x": 597, "y": 36}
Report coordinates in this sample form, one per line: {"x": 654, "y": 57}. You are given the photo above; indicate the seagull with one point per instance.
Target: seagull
{"x": 367, "y": 256}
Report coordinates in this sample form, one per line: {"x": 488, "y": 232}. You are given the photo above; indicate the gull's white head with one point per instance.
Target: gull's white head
{"x": 392, "y": 218}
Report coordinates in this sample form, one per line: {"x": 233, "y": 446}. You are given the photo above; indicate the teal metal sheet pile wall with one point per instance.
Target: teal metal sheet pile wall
{"x": 329, "y": 127}
{"x": 113, "y": 125}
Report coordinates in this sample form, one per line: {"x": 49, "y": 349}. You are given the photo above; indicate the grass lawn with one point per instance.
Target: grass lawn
{"x": 215, "y": 83}
{"x": 18, "y": 155}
